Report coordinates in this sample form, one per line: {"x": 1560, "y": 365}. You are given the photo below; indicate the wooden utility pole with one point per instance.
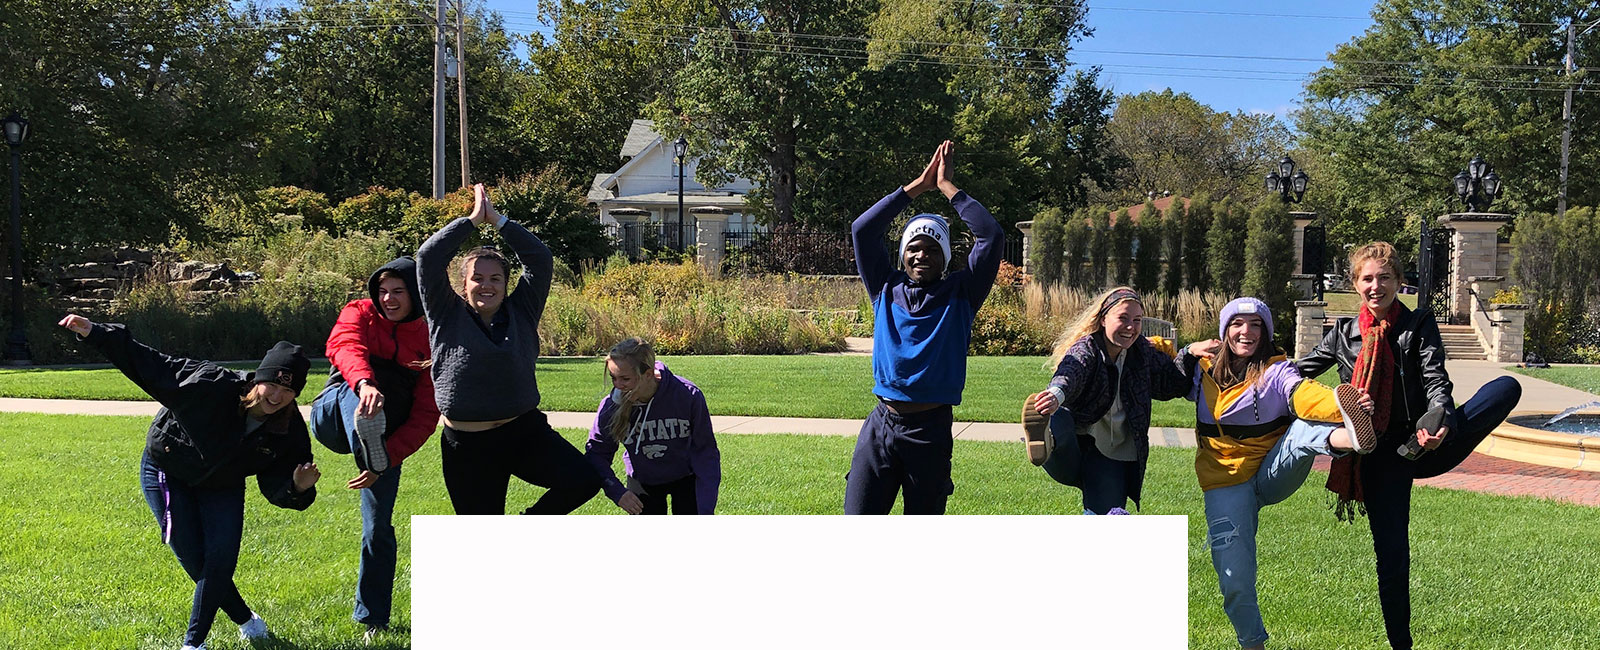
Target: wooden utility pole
{"x": 461, "y": 89}
{"x": 438, "y": 99}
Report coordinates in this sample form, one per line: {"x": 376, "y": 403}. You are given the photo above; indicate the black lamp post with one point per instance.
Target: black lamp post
{"x": 679, "y": 148}
{"x": 16, "y": 130}
{"x": 1478, "y": 186}
{"x": 1288, "y": 183}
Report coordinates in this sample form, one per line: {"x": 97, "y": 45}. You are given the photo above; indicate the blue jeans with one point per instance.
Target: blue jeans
{"x": 333, "y": 417}
{"x": 204, "y": 532}
{"x": 1232, "y": 515}
{"x": 1077, "y": 462}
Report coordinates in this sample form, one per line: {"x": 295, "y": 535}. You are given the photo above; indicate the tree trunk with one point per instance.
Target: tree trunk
{"x": 782, "y": 162}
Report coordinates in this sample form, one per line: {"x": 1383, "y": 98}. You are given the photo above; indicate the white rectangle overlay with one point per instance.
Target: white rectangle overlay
{"x": 799, "y": 582}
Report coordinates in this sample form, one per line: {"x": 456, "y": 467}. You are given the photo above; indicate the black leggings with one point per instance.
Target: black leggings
{"x": 478, "y": 466}
{"x": 1386, "y": 481}
{"x": 654, "y": 497}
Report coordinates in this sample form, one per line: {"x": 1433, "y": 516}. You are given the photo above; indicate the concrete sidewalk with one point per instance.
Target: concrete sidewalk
{"x": 993, "y": 431}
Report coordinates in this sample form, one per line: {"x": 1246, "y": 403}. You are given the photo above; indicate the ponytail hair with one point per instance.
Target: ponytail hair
{"x": 635, "y": 353}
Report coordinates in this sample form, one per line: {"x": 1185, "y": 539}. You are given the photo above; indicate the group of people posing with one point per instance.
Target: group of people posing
{"x": 427, "y": 348}
{"x": 422, "y": 349}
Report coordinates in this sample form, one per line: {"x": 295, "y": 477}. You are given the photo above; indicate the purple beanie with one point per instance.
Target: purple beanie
{"x": 1244, "y": 306}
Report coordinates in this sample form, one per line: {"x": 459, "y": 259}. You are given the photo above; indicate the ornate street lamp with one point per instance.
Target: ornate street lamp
{"x": 1478, "y": 185}
{"x": 16, "y": 130}
{"x": 1288, "y": 183}
{"x": 680, "y": 147}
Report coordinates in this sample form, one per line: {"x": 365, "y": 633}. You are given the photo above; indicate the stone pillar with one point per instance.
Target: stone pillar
{"x": 1508, "y": 332}
{"x": 631, "y": 220}
{"x": 1301, "y": 220}
{"x": 1305, "y": 286}
{"x": 1026, "y": 228}
{"x": 1308, "y": 317}
{"x": 1476, "y": 253}
{"x": 709, "y": 243}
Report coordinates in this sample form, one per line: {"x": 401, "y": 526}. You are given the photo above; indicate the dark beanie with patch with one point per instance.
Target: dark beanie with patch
{"x": 285, "y": 365}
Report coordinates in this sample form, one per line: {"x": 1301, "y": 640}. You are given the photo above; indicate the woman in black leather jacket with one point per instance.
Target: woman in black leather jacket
{"x": 1426, "y": 433}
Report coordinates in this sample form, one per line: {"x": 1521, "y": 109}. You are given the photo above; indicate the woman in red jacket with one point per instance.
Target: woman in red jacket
{"x": 378, "y": 404}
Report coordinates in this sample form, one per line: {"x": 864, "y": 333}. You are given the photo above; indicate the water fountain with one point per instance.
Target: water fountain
{"x": 1569, "y": 439}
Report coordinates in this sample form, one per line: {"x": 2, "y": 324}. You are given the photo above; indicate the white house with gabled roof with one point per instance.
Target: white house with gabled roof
{"x": 648, "y": 181}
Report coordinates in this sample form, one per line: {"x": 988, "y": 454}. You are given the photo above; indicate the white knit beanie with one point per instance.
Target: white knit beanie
{"x": 927, "y": 225}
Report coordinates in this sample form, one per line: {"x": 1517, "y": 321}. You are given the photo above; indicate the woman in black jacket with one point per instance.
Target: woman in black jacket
{"x": 216, "y": 426}
{"x": 1422, "y": 433}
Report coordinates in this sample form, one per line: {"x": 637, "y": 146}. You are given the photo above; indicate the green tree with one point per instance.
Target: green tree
{"x": 1172, "y": 228}
{"x": 1269, "y": 255}
{"x": 1401, "y": 108}
{"x": 1099, "y": 246}
{"x": 1079, "y": 238}
{"x": 139, "y": 109}
{"x": 1195, "y": 245}
{"x": 1171, "y": 142}
{"x": 1122, "y": 234}
{"x": 354, "y": 106}
{"x": 1224, "y": 240}
{"x": 1147, "y": 252}
{"x": 548, "y": 204}
{"x": 1045, "y": 259}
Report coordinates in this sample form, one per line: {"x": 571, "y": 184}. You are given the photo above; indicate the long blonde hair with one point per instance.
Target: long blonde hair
{"x": 1088, "y": 321}
{"x": 635, "y": 353}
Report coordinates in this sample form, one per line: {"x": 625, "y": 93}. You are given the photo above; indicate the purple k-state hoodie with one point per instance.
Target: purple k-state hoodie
{"x": 670, "y": 438}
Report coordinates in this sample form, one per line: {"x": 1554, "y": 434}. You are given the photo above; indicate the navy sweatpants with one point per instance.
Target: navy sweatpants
{"x": 895, "y": 452}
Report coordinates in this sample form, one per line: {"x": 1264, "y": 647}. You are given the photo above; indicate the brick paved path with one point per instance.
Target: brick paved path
{"x": 1480, "y": 473}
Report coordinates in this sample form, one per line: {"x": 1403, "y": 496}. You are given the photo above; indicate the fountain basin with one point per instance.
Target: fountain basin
{"x": 1521, "y": 439}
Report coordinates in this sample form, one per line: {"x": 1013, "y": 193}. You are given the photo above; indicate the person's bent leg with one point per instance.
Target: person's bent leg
{"x": 333, "y": 417}
{"x": 874, "y": 477}
{"x": 1105, "y": 481}
{"x": 1288, "y": 463}
{"x": 924, "y": 445}
{"x": 1387, "y": 487}
{"x": 1473, "y": 422}
{"x": 1065, "y": 463}
{"x": 546, "y": 459}
{"x": 1231, "y": 518}
{"x": 375, "y": 578}
{"x": 473, "y": 474}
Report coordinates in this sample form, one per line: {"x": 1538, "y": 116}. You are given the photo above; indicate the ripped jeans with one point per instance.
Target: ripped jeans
{"x": 1232, "y": 515}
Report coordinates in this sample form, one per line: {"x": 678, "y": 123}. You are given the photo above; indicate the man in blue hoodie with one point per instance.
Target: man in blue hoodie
{"x": 923, "y": 325}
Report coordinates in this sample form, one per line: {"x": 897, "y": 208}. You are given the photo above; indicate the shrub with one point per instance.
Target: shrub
{"x": 1048, "y": 246}
{"x": 1195, "y": 229}
{"x": 1172, "y": 224}
{"x": 1122, "y": 247}
{"x": 551, "y": 205}
{"x": 1269, "y": 254}
{"x": 1147, "y": 256}
{"x": 1099, "y": 247}
{"x": 1224, "y": 240}
{"x": 1079, "y": 239}
{"x": 377, "y": 209}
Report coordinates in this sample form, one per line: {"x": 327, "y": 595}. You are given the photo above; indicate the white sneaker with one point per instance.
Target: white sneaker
{"x": 369, "y": 433}
{"x": 193, "y": 647}
{"x": 371, "y": 634}
{"x": 254, "y": 629}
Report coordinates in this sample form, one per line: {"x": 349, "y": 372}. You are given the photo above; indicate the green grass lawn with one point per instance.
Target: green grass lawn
{"x": 82, "y": 567}
{"x": 815, "y": 386}
{"x": 1584, "y": 378}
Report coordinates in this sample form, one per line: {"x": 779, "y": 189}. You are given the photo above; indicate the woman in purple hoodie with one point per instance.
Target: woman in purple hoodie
{"x": 664, "y": 428}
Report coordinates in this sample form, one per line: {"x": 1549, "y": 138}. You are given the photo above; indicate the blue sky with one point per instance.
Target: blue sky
{"x": 1128, "y": 31}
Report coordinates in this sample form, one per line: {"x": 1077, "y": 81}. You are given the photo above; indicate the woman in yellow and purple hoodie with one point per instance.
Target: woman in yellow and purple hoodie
{"x": 1258, "y": 426}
